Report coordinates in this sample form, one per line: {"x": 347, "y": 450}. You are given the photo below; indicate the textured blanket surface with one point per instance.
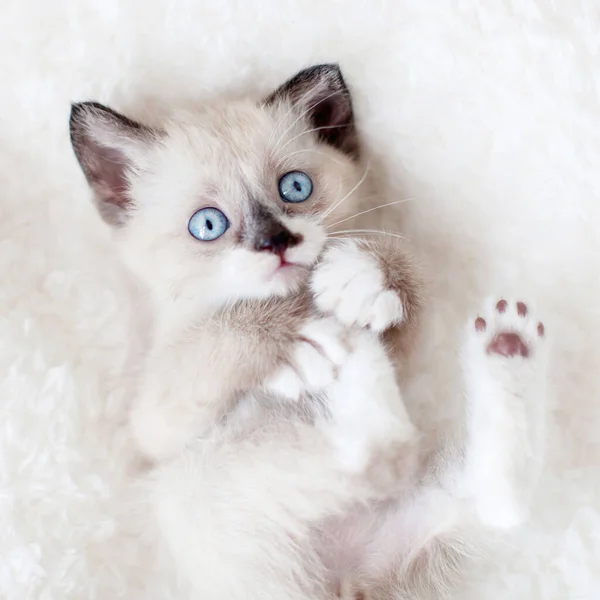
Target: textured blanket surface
{"x": 485, "y": 113}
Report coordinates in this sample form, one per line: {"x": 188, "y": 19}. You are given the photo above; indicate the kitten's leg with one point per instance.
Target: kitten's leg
{"x": 239, "y": 513}
{"x": 505, "y": 369}
{"x": 425, "y": 540}
{"x": 368, "y": 413}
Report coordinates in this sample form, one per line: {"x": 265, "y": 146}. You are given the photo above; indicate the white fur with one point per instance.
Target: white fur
{"x": 477, "y": 111}
{"x": 255, "y": 496}
{"x": 366, "y": 405}
{"x": 506, "y": 431}
{"x": 453, "y": 506}
{"x": 315, "y": 361}
{"x": 349, "y": 283}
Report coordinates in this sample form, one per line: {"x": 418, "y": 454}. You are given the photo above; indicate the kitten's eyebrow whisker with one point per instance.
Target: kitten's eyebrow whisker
{"x": 364, "y": 212}
{"x": 274, "y": 130}
{"x": 333, "y": 158}
{"x": 311, "y": 131}
{"x": 365, "y": 231}
{"x": 360, "y": 182}
{"x": 311, "y": 107}
{"x": 287, "y": 114}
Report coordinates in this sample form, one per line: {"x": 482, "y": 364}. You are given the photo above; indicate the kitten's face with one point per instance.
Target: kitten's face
{"x": 233, "y": 201}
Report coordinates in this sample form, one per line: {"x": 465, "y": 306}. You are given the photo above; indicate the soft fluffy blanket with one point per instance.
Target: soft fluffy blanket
{"x": 486, "y": 113}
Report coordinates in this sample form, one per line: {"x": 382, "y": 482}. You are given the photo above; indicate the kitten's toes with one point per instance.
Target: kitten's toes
{"x": 320, "y": 350}
{"x": 387, "y": 310}
{"x": 328, "y": 337}
{"x": 508, "y": 329}
{"x": 350, "y": 284}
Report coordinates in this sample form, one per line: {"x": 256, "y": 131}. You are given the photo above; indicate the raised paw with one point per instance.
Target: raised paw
{"x": 510, "y": 329}
{"x": 314, "y": 361}
{"x": 506, "y": 373}
{"x": 349, "y": 283}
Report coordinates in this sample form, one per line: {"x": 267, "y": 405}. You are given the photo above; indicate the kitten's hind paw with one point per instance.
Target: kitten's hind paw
{"x": 509, "y": 329}
{"x": 506, "y": 378}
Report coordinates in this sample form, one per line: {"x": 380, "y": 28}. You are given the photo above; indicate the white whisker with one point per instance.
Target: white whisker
{"x": 360, "y": 182}
{"x": 364, "y": 231}
{"x": 277, "y": 126}
{"x": 311, "y": 131}
{"x": 311, "y": 107}
{"x": 364, "y": 212}
{"x": 333, "y": 158}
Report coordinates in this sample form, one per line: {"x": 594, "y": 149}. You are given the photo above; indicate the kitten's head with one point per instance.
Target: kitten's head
{"x": 232, "y": 201}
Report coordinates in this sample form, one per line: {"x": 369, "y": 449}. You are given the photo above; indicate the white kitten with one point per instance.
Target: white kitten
{"x": 223, "y": 214}
{"x": 232, "y": 203}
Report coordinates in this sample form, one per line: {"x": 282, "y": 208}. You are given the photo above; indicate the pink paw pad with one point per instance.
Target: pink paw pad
{"x": 508, "y": 343}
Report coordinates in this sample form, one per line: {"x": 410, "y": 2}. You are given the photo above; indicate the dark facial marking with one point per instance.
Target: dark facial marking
{"x": 266, "y": 233}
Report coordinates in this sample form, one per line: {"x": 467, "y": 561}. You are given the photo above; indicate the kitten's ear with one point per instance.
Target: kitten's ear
{"x": 322, "y": 94}
{"x": 108, "y": 147}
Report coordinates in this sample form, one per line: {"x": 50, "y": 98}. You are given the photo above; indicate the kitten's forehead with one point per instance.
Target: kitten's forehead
{"x": 243, "y": 133}
{"x": 240, "y": 129}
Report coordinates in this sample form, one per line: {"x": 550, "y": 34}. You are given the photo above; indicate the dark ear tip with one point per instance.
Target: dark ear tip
{"x": 78, "y": 109}
{"x": 327, "y": 67}
{"x": 331, "y": 70}
{"x": 81, "y": 107}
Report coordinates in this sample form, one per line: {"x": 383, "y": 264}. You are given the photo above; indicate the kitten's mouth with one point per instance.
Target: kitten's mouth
{"x": 289, "y": 269}
{"x": 285, "y": 265}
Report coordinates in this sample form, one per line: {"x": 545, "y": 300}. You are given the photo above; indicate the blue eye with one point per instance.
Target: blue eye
{"x": 295, "y": 186}
{"x": 208, "y": 224}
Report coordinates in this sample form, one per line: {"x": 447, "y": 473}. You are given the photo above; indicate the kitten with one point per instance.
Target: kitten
{"x": 261, "y": 186}
{"x": 225, "y": 216}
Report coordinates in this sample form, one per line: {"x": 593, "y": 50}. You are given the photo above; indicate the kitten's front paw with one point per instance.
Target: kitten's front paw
{"x": 350, "y": 283}
{"x": 318, "y": 353}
